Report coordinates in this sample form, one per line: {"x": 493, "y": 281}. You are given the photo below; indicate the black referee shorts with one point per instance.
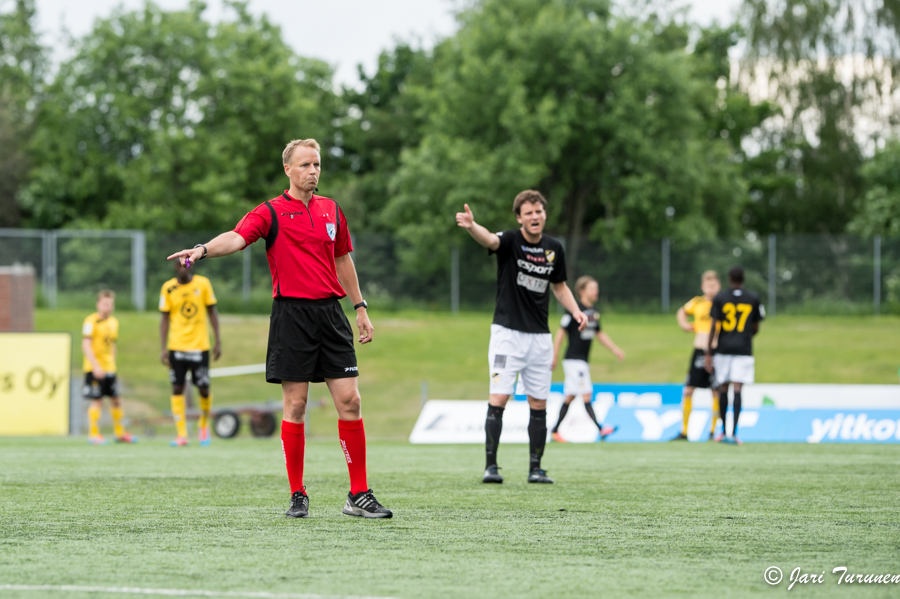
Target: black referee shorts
{"x": 309, "y": 341}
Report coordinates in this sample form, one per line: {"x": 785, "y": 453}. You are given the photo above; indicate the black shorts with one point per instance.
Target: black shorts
{"x": 195, "y": 361}
{"x": 96, "y": 389}
{"x": 697, "y": 375}
{"x": 309, "y": 341}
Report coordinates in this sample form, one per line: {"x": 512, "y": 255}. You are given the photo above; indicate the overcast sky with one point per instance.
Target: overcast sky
{"x": 344, "y": 33}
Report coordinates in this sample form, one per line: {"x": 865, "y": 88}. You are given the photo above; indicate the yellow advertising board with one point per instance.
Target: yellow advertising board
{"x": 34, "y": 383}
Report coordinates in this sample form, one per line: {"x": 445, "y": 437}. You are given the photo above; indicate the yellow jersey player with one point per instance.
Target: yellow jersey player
{"x": 185, "y": 301}
{"x": 98, "y": 343}
{"x": 698, "y": 377}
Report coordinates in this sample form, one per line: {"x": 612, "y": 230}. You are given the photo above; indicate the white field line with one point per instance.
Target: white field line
{"x": 175, "y": 592}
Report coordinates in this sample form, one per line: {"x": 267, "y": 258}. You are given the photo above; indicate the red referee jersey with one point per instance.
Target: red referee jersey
{"x": 301, "y": 244}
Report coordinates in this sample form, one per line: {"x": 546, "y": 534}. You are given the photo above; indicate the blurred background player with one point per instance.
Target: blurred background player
{"x": 697, "y": 376}
{"x": 185, "y": 301}
{"x": 575, "y": 363}
{"x": 739, "y": 313}
{"x": 529, "y": 264}
{"x": 98, "y": 343}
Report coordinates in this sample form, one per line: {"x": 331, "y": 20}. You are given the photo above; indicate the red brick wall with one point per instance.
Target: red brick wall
{"x": 17, "y": 299}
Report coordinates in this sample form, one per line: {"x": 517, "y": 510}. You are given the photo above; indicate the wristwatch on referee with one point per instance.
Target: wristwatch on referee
{"x": 200, "y": 245}
{"x": 361, "y": 304}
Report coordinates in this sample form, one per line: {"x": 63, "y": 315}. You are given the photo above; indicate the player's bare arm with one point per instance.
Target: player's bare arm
{"x": 164, "y": 338}
{"x": 484, "y": 237}
{"x": 99, "y": 373}
{"x": 683, "y": 321}
{"x": 224, "y": 245}
{"x": 564, "y": 296}
{"x": 346, "y": 272}
{"x": 214, "y": 321}
{"x": 707, "y": 360}
{"x": 608, "y": 343}
{"x": 557, "y": 346}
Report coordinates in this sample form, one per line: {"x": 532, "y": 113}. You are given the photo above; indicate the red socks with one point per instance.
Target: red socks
{"x": 293, "y": 442}
{"x": 353, "y": 442}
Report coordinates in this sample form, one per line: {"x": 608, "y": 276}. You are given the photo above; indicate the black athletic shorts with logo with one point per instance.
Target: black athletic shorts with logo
{"x": 309, "y": 341}
{"x": 697, "y": 375}
{"x": 195, "y": 361}
{"x": 93, "y": 388}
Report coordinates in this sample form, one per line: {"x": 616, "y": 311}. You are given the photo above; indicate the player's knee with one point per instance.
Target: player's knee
{"x": 115, "y": 402}
{"x": 177, "y": 389}
{"x": 204, "y": 391}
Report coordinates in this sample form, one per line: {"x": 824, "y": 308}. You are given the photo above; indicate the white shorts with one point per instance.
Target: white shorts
{"x": 734, "y": 369}
{"x": 578, "y": 378}
{"x": 514, "y": 353}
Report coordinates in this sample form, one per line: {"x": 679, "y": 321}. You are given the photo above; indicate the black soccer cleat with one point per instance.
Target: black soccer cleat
{"x": 492, "y": 475}
{"x": 299, "y": 505}
{"x": 539, "y": 476}
{"x": 680, "y": 437}
{"x": 365, "y": 505}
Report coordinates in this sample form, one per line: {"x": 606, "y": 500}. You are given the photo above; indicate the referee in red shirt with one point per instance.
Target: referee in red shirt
{"x": 308, "y": 247}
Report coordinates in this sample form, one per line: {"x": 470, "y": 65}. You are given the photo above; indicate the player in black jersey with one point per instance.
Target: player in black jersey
{"x": 739, "y": 313}
{"x": 575, "y": 362}
{"x": 529, "y": 264}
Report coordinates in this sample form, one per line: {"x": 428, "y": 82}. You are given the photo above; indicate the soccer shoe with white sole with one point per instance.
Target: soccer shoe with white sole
{"x": 126, "y": 438}
{"x": 606, "y": 431}
{"x": 299, "y": 505}
{"x": 365, "y": 505}
{"x": 179, "y": 442}
{"x": 203, "y": 436}
{"x": 492, "y": 475}
{"x": 97, "y": 440}
{"x": 539, "y": 476}
{"x": 680, "y": 437}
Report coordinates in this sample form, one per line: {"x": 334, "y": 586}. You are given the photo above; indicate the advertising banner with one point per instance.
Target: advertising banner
{"x": 647, "y": 413}
{"x": 34, "y": 383}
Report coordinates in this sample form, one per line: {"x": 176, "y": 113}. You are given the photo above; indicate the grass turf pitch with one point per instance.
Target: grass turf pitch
{"x": 643, "y": 520}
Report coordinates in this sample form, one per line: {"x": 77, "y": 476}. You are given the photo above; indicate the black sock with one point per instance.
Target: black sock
{"x": 737, "y": 410}
{"x": 537, "y": 436}
{"x": 590, "y": 411}
{"x": 493, "y": 426}
{"x": 562, "y": 414}
{"x": 723, "y": 407}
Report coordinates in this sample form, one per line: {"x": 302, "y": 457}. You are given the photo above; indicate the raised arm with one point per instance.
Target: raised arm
{"x": 225, "y": 244}
{"x": 346, "y": 272}
{"x": 564, "y": 296}
{"x": 484, "y": 237}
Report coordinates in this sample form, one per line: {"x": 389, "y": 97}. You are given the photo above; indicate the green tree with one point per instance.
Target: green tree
{"x": 600, "y": 113}
{"x": 22, "y": 67}
{"x": 879, "y": 212}
{"x": 164, "y": 121}
{"x": 829, "y": 66}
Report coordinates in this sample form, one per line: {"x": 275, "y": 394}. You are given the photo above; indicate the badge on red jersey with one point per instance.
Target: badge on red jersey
{"x": 331, "y": 228}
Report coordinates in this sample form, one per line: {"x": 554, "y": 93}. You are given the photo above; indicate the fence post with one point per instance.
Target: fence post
{"x": 666, "y": 288}
{"x": 454, "y": 280}
{"x": 139, "y": 270}
{"x": 51, "y": 269}
{"x": 772, "y": 275}
{"x": 876, "y": 283}
{"x": 245, "y": 287}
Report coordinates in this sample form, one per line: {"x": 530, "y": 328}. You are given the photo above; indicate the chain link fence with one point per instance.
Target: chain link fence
{"x": 812, "y": 274}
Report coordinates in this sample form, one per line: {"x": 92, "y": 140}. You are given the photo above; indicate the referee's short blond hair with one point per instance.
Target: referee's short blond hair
{"x": 294, "y": 143}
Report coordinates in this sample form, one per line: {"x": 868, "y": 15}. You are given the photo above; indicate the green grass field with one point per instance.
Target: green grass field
{"x": 641, "y": 520}
{"x": 450, "y": 353}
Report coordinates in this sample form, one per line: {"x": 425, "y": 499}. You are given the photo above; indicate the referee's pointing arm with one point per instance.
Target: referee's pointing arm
{"x": 223, "y": 245}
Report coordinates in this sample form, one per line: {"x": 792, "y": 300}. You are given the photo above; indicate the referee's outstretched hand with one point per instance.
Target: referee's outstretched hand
{"x": 465, "y": 219}
{"x": 194, "y": 255}
{"x": 366, "y": 330}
